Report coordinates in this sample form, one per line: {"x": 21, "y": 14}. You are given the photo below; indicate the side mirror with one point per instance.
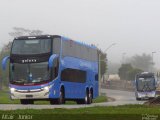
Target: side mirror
{"x": 4, "y": 62}
{"x": 51, "y": 60}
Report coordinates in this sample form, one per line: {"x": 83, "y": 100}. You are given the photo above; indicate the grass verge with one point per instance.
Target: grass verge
{"x": 127, "y": 112}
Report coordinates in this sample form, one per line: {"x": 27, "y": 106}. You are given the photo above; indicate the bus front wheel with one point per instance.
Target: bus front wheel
{"x": 60, "y": 100}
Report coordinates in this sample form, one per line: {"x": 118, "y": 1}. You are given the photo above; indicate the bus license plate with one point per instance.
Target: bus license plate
{"x": 29, "y": 96}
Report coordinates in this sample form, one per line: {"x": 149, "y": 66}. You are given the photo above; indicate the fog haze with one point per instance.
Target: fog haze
{"x": 133, "y": 24}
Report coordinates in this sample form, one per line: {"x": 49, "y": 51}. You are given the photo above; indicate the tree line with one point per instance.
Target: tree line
{"x": 135, "y": 65}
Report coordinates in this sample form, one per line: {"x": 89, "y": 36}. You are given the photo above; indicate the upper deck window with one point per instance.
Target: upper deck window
{"x": 73, "y": 49}
{"x": 28, "y": 47}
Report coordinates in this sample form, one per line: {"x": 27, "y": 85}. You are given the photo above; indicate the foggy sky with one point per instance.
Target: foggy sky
{"x": 133, "y": 24}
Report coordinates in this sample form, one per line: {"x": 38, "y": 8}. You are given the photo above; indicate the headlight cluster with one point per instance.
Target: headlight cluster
{"x": 12, "y": 89}
{"x": 46, "y": 87}
{"x": 140, "y": 95}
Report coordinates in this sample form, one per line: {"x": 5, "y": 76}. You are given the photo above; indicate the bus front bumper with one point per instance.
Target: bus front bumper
{"x": 29, "y": 94}
{"x": 146, "y": 95}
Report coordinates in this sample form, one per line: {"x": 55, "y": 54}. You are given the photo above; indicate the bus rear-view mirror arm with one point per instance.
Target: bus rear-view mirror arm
{"x": 4, "y": 62}
{"x": 51, "y": 60}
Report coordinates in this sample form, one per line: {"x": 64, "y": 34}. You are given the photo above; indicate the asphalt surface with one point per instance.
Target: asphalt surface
{"x": 120, "y": 98}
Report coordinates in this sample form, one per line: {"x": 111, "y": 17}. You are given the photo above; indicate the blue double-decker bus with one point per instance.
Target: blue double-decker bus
{"x": 53, "y": 68}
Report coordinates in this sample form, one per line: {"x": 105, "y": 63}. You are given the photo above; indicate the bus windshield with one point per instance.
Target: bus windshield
{"x": 34, "y": 46}
{"x": 29, "y": 73}
{"x": 146, "y": 84}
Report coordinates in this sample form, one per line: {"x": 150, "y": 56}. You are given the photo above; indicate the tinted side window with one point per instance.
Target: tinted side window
{"x": 73, "y": 49}
{"x": 73, "y": 75}
{"x": 69, "y": 48}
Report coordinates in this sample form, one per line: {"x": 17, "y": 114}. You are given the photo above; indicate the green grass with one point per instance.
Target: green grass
{"x": 100, "y": 99}
{"x": 127, "y": 112}
{"x": 5, "y": 99}
{"x": 126, "y": 109}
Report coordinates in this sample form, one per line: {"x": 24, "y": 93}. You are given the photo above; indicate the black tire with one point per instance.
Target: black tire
{"x": 80, "y": 101}
{"x": 138, "y": 99}
{"x": 53, "y": 101}
{"x": 85, "y": 100}
{"x": 60, "y": 100}
{"x": 61, "y": 97}
{"x": 90, "y": 98}
{"x": 151, "y": 98}
{"x": 26, "y": 101}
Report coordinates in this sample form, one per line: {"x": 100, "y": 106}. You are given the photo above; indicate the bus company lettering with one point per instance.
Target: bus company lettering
{"x": 29, "y": 60}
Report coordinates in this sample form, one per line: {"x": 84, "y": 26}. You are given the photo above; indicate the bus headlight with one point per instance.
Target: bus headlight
{"x": 46, "y": 88}
{"x": 12, "y": 89}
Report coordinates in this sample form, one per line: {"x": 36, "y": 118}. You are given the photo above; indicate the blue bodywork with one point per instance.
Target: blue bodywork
{"x": 73, "y": 90}
{"x": 51, "y": 59}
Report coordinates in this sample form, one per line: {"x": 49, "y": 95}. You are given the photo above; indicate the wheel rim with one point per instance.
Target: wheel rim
{"x": 90, "y": 97}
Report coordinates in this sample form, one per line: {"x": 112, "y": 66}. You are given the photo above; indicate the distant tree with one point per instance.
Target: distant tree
{"x": 4, "y": 74}
{"x": 19, "y": 31}
{"x": 143, "y": 62}
{"x": 103, "y": 64}
{"x": 127, "y": 72}
{"x": 132, "y": 73}
{"x": 123, "y": 71}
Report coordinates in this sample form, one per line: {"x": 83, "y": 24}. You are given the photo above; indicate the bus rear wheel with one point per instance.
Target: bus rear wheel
{"x": 87, "y": 99}
{"x": 90, "y": 97}
{"x": 26, "y": 101}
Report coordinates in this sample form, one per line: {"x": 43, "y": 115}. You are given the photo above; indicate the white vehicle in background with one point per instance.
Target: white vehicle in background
{"x": 145, "y": 85}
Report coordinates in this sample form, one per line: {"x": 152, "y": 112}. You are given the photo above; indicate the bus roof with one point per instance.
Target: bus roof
{"x": 82, "y": 43}
{"x": 145, "y": 74}
{"x": 36, "y": 37}
{"x": 52, "y": 36}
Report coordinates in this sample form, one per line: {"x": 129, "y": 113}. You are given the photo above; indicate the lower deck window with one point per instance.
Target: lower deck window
{"x": 73, "y": 75}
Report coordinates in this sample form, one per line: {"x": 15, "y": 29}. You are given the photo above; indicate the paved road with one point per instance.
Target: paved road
{"x": 121, "y": 98}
